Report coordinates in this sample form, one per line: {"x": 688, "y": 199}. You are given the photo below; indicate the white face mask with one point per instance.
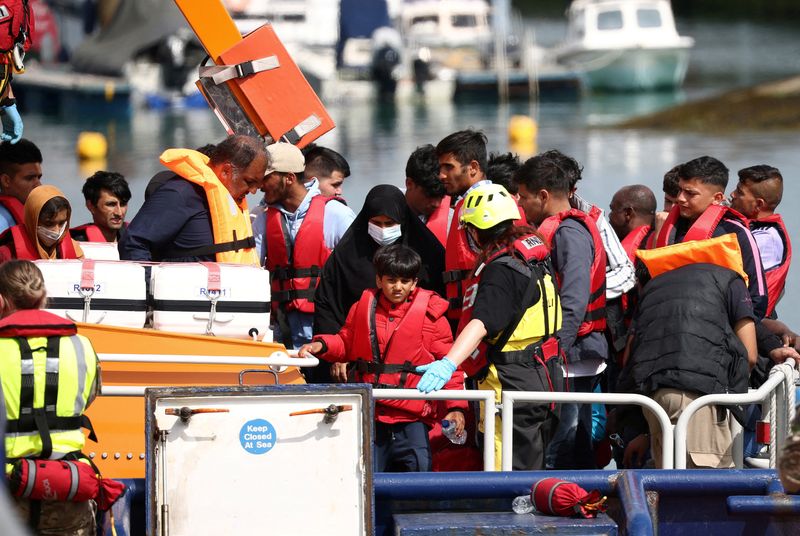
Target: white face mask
{"x": 384, "y": 235}
{"x": 48, "y": 237}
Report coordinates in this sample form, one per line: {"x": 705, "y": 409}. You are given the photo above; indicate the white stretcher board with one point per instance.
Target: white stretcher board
{"x": 256, "y": 469}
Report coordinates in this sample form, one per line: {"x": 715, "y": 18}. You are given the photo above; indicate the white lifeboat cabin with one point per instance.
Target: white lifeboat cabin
{"x": 625, "y": 45}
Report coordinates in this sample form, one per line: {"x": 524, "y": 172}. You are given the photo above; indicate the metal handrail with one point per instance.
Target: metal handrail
{"x": 288, "y": 359}
{"x": 779, "y": 376}
{"x": 509, "y": 397}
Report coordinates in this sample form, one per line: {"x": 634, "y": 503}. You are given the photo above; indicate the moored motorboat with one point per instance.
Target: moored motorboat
{"x": 625, "y": 45}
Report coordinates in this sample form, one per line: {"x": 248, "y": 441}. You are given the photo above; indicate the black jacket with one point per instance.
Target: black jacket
{"x": 683, "y": 338}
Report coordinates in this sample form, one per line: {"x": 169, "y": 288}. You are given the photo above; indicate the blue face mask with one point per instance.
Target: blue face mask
{"x": 384, "y": 235}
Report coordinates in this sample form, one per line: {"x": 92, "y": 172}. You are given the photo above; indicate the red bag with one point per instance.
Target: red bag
{"x": 561, "y": 498}
{"x": 54, "y": 480}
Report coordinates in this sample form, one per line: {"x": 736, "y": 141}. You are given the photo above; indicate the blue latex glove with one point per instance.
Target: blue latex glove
{"x": 436, "y": 375}
{"x": 12, "y": 124}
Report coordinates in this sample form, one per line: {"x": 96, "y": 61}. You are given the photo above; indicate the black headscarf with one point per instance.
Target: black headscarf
{"x": 349, "y": 269}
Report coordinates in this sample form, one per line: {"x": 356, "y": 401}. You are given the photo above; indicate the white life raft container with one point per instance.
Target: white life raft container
{"x": 208, "y": 298}
{"x": 100, "y": 251}
{"x": 112, "y": 293}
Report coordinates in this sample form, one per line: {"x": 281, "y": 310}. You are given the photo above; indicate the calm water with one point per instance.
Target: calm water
{"x": 377, "y": 140}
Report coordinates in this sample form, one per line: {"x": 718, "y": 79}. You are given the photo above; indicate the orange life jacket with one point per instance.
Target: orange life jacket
{"x": 13, "y": 205}
{"x": 437, "y": 223}
{"x": 24, "y": 249}
{"x": 295, "y": 270}
{"x": 595, "y": 317}
{"x": 776, "y": 276}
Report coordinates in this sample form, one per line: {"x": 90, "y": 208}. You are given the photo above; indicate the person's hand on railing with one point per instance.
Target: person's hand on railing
{"x": 435, "y": 375}
{"x": 779, "y": 355}
{"x": 308, "y": 349}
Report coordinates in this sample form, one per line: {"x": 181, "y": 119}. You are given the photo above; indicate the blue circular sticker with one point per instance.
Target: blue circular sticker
{"x": 257, "y": 436}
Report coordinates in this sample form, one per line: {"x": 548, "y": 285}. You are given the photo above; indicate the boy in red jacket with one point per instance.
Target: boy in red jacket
{"x": 388, "y": 333}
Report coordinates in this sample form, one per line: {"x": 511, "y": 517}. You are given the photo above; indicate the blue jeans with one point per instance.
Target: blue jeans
{"x": 572, "y": 446}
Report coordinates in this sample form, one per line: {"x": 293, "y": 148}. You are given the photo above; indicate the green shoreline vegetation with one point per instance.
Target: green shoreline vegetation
{"x": 772, "y": 106}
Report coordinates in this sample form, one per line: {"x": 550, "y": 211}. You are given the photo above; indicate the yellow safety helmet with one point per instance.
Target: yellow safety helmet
{"x": 487, "y": 205}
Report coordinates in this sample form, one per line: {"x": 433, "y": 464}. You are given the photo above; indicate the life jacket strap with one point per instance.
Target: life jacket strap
{"x": 283, "y": 296}
{"x": 212, "y": 249}
{"x": 284, "y": 273}
{"x": 452, "y": 276}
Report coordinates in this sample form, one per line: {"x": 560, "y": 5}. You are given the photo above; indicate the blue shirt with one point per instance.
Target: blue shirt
{"x": 336, "y": 220}
{"x": 6, "y": 219}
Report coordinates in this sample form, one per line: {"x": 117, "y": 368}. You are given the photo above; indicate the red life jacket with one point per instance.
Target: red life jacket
{"x": 294, "y": 271}
{"x": 529, "y": 249}
{"x": 702, "y": 228}
{"x": 459, "y": 261}
{"x": 595, "y": 317}
{"x": 632, "y": 241}
{"x": 36, "y": 323}
{"x": 437, "y": 223}
{"x": 395, "y": 366}
{"x": 24, "y": 249}
{"x": 13, "y": 205}
{"x": 776, "y": 276}
{"x": 16, "y": 25}
{"x": 92, "y": 232}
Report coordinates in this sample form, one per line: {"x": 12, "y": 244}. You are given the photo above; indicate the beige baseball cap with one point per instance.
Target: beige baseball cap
{"x": 285, "y": 158}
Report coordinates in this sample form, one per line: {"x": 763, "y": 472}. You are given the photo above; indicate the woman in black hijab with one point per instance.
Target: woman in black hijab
{"x": 349, "y": 269}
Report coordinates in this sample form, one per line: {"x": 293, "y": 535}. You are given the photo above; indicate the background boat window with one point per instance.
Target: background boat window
{"x": 648, "y": 18}
{"x": 609, "y": 20}
{"x": 464, "y": 21}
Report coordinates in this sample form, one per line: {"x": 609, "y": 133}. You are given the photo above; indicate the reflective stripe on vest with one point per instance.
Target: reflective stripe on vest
{"x": 294, "y": 269}
{"x": 595, "y": 317}
{"x": 47, "y": 383}
{"x": 24, "y": 249}
{"x": 437, "y": 222}
{"x": 233, "y": 233}
{"x": 776, "y": 276}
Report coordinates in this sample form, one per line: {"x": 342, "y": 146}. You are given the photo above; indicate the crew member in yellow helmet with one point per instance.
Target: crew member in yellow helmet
{"x": 201, "y": 214}
{"x": 510, "y": 314}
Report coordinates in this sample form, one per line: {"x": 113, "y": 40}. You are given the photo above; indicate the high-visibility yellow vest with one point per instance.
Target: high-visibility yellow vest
{"x": 230, "y": 221}
{"x": 54, "y": 378}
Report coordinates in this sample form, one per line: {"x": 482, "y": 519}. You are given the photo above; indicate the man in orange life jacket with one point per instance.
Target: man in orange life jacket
{"x": 462, "y": 167}
{"x": 200, "y": 213}
{"x": 757, "y": 195}
{"x": 295, "y": 230}
{"x": 328, "y": 167}
{"x": 107, "y": 195}
{"x": 700, "y": 214}
{"x": 20, "y": 172}
{"x": 425, "y": 192}
{"x": 579, "y": 260}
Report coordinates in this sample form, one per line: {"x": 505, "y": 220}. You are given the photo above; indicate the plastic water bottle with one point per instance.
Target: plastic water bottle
{"x": 522, "y": 505}
{"x": 449, "y": 431}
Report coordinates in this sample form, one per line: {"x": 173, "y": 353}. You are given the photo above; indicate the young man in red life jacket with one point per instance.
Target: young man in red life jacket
{"x": 462, "y": 167}
{"x": 388, "y": 333}
{"x": 295, "y": 231}
{"x": 20, "y": 172}
{"x": 425, "y": 193}
{"x": 107, "y": 195}
{"x": 579, "y": 260}
{"x": 757, "y": 195}
{"x": 328, "y": 167}
{"x": 700, "y": 214}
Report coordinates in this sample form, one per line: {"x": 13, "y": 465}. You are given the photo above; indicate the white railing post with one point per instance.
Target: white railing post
{"x": 582, "y": 398}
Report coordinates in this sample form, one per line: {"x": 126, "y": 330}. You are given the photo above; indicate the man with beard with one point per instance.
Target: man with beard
{"x": 107, "y": 195}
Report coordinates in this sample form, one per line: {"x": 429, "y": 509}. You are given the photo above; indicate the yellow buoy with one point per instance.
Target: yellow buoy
{"x": 522, "y": 130}
{"x": 91, "y": 146}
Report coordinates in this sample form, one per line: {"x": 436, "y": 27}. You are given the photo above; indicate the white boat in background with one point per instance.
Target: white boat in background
{"x": 625, "y": 45}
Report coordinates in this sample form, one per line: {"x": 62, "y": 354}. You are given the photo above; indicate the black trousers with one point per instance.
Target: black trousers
{"x": 534, "y": 423}
{"x": 402, "y": 447}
